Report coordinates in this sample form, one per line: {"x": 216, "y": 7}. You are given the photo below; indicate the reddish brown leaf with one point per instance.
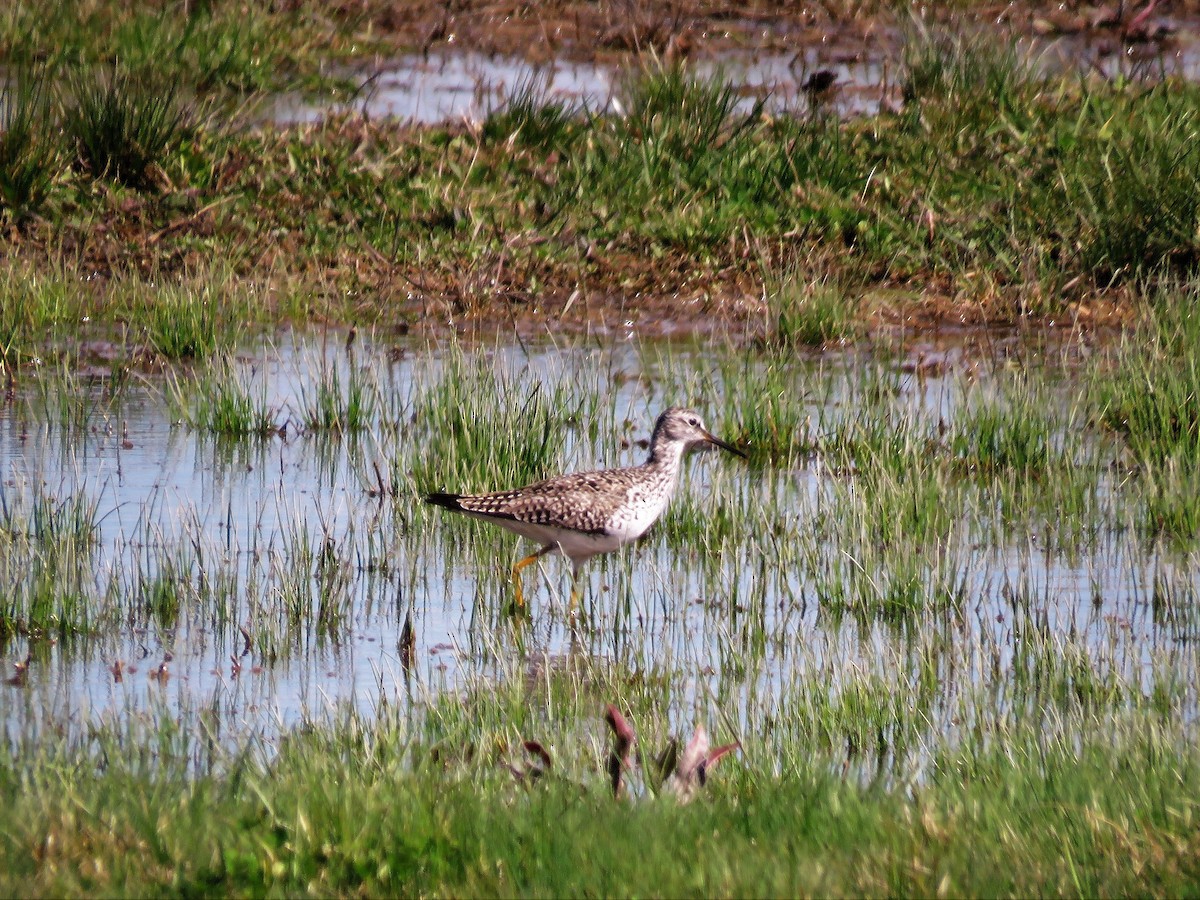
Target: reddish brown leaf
{"x": 540, "y": 752}
{"x": 714, "y": 756}
{"x": 408, "y": 644}
{"x": 623, "y": 739}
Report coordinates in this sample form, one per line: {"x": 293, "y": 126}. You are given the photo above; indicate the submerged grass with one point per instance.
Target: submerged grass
{"x": 340, "y": 400}
{"x": 767, "y": 411}
{"x": 48, "y": 550}
{"x": 486, "y": 424}
{"x": 1149, "y": 394}
{"x": 224, "y": 400}
{"x": 1015, "y": 432}
{"x": 74, "y": 402}
{"x": 36, "y": 309}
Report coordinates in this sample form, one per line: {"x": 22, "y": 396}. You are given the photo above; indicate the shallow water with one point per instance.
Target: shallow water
{"x": 739, "y": 626}
{"x": 465, "y": 85}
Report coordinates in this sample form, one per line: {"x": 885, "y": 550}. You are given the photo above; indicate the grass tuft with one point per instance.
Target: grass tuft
{"x": 1009, "y": 434}
{"x": 189, "y": 319}
{"x": 124, "y": 125}
{"x": 810, "y": 314}
{"x": 971, "y": 77}
{"x": 29, "y": 157}
{"x": 528, "y": 116}
{"x": 47, "y": 550}
{"x": 1130, "y": 173}
{"x": 1148, "y": 392}
{"x": 339, "y": 400}
{"x": 224, "y": 400}
{"x": 485, "y": 424}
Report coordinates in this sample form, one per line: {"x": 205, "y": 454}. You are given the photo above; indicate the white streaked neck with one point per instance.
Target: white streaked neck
{"x": 666, "y": 456}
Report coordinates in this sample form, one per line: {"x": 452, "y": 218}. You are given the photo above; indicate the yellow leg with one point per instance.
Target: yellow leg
{"x": 518, "y": 594}
{"x": 574, "y": 589}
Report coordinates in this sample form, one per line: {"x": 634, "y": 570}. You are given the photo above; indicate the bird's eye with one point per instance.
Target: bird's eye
{"x": 694, "y": 422}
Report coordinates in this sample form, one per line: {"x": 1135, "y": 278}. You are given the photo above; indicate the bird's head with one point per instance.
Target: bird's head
{"x": 685, "y": 427}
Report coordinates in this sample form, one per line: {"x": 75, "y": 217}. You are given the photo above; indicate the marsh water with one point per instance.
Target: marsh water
{"x": 464, "y": 85}
{"x": 258, "y": 582}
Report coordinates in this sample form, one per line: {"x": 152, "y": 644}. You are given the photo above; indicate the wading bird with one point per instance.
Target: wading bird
{"x": 588, "y": 513}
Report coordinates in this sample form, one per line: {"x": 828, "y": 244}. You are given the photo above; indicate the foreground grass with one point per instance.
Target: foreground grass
{"x": 357, "y": 808}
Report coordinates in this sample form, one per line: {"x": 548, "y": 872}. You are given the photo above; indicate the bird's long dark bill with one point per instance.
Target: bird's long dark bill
{"x": 717, "y": 442}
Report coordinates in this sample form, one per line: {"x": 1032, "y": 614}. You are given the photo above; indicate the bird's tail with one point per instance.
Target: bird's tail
{"x": 448, "y": 501}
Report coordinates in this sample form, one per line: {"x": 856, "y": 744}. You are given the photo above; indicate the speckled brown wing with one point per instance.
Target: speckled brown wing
{"x": 585, "y": 502}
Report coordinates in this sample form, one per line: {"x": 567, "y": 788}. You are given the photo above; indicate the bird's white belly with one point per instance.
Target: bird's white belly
{"x": 642, "y": 510}
{"x": 576, "y": 545}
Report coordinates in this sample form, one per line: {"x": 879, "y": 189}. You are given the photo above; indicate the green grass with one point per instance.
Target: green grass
{"x": 343, "y": 401}
{"x": 28, "y": 153}
{"x": 160, "y": 600}
{"x": 485, "y": 424}
{"x": 1013, "y": 435}
{"x": 685, "y": 179}
{"x": 53, "y": 523}
{"x": 1148, "y": 392}
{"x": 36, "y": 309}
{"x": 528, "y": 115}
{"x": 999, "y": 188}
{"x": 75, "y": 402}
{"x": 365, "y": 808}
{"x": 193, "y": 317}
{"x": 882, "y": 609}
{"x": 48, "y": 549}
{"x": 224, "y": 399}
{"x": 123, "y": 124}
{"x": 767, "y": 414}
{"x": 210, "y": 46}
{"x": 972, "y": 77}
{"x": 811, "y": 315}
{"x": 1133, "y": 192}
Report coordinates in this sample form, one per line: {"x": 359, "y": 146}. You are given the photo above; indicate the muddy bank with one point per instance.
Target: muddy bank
{"x": 678, "y": 28}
